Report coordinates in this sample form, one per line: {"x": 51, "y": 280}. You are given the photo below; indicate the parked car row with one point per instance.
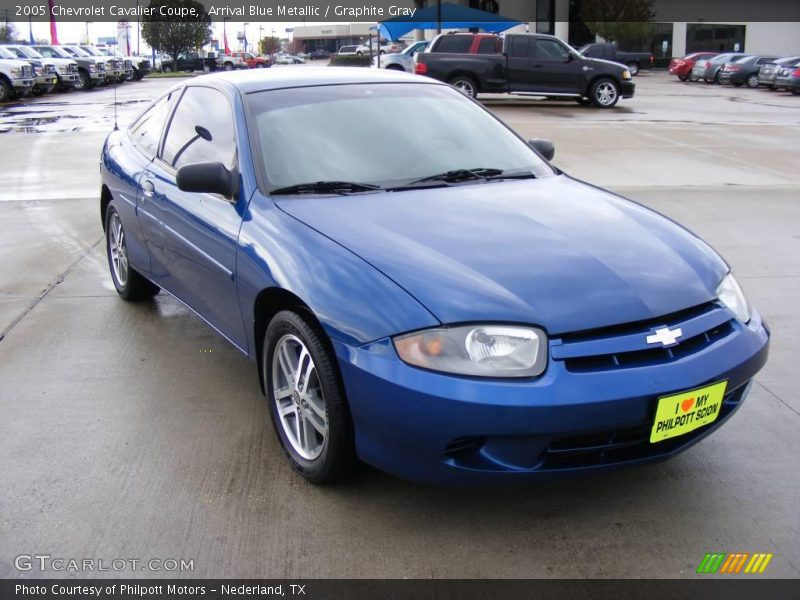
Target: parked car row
{"x": 44, "y": 69}
{"x": 738, "y": 69}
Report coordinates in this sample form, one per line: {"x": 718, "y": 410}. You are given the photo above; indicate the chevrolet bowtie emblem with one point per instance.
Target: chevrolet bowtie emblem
{"x": 664, "y": 336}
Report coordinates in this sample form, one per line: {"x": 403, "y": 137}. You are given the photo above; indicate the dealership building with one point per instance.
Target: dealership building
{"x": 677, "y": 29}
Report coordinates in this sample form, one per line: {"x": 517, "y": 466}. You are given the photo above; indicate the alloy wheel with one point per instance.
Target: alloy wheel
{"x": 465, "y": 87}
{"x": 606, "y": 93}
{"x": 117, "y": 250}
{"x": 298, "y": 397}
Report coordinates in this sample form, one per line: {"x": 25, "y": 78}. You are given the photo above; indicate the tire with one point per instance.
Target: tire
{"x": 683, "y": 77}
{"x": 359, "y": 53}
{"x": 228, "y": 66}
{"x": 465, "y": 85}
{"x": 310, "y": 415}
{"x": 693, "y": 77}
{"x": 128, "y": 283}
{"x": 633, "y": 67}
{"x": 6, "y": 91}
{"x": 752, "y": 81}
{"x": 604, "y": 93}
{"x": 84, "y": 81}
{"x": 167, "y": 69}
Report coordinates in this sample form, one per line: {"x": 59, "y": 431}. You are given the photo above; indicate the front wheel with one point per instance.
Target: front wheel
{"x": 604, "y": 93}
{"x": 84, "y": 82}
{"x": 6, "y": 91}
{"x": 129, "y": 284}
{"x": 633, "y": 67}
{"x": 465, "y": 85}
{"x": 306, "y": 399}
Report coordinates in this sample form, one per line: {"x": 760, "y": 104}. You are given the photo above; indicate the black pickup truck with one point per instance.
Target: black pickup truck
{"x": 526, "y": 64}
{"x": 633, "y": 60}
{"x": 190, "y": 61}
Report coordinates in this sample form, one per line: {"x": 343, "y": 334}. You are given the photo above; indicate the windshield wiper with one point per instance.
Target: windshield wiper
{"x": 325, "y": 187}
{"x": 456, "y": 175}
{"x": 459, "y": 175}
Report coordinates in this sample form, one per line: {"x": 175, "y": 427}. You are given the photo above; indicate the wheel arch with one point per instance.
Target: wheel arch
{"x": 599, "y": 76}
{"x": 268, "y": 303}
{"x": 105, "y": 200}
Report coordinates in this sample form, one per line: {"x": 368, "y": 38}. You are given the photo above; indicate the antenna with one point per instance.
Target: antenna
{"x": 116, "y": 128}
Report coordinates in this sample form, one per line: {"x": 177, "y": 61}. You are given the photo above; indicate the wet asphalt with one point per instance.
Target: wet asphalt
{"x": 134, "y": 431}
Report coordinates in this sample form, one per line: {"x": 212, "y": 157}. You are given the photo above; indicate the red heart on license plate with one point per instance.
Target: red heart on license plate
{"x": 687, "y": 404}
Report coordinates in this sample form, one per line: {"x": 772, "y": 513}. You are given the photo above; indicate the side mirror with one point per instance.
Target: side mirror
{"x": 570, "y": 57}
{"x": 544, "y": 147}
{"x": 208, "y": 178}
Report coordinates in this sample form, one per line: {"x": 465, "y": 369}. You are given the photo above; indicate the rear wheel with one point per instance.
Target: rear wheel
{"x": 752, "y": 81}
{"x": 604, "y": 93}
{"x": 228, "y": 66}
{"x": 633, "y": 67}
{"x": 129, "y": 284}
{"x": 167, "y": 69}
{"x": 306, "y": 399}
{"x": 465, "y": 85}
{"x": 683, "y": 77}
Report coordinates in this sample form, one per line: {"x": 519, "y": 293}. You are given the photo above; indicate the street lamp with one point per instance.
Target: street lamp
{"x": 244, "y": 30}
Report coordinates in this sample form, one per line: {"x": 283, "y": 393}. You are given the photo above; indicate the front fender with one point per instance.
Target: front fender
{"x": 354, "y": 302}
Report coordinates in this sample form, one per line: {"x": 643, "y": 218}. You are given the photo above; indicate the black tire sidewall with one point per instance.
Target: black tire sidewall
{"x": 122, "y": 290}
{"x": 337, "y": 456}
{"x": 593, "y": 92}
{"x": 468, "y": 80}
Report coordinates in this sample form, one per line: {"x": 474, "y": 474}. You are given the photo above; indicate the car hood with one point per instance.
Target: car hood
{"x": 553, "y": 252}
{"x": 14, "y": 63}
{"x": 619, "y": 65}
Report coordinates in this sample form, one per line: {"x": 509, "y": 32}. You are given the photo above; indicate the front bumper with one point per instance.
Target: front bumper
{"x": 98, "y": 76}
{"x": 46, "y": 82}
{"x": 436, "y": 428}
{"x": 23, "y": 86}
{"x": 68, "y": 79}
{"x": 628, "y": 88}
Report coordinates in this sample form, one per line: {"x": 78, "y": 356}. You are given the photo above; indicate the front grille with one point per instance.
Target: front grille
{"x": 27, "y": 71}
{"x": 50, "y": 69}
{"x": 145, "y": 64}
{"x": 73, "y": 68}
{"x": 631, "y": 443}
{"x": 625, "y": 346}
{"x": 127, "y": 64}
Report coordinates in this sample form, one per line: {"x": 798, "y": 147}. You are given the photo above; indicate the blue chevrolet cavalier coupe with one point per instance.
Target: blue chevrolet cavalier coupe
{"x": 419, "y": 287}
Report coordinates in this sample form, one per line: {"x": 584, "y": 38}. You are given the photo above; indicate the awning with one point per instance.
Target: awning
{"x": 453, "y": 16}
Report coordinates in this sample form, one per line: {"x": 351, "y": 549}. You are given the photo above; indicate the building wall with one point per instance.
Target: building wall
{"x": 773, "y": 38}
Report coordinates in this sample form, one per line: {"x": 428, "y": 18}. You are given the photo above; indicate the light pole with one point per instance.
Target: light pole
{"x": 225, "y": 35}
{"x": 244, "y": 31}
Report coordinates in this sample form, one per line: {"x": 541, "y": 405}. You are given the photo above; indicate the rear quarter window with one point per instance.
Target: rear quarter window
{"x": 456, "y": 44}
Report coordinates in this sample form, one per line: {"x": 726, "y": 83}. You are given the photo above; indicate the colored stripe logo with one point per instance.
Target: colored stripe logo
{"x": 734, "y": 563}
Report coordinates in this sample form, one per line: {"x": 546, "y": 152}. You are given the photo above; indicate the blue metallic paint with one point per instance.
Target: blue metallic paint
{"x": 552, "y": 252}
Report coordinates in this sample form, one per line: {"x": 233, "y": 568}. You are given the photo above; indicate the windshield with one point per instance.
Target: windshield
{"x": 384, "y": 135}
{"x": 414, "y": 48}
{"x": 77, "y": 51}
{"x": 6, "y": 54}
{"x": 91, "y": 51}
{"x": 26, "y": 52}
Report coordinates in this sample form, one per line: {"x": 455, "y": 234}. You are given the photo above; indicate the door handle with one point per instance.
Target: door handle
{"x": 148, "y": 189}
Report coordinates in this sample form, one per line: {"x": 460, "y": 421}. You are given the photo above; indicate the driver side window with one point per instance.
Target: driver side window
{"x": 551, "y": 50}
{"x": 201, "y": 130}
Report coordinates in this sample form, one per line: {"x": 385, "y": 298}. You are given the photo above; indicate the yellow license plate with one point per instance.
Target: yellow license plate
{"x": 681, "y": 413}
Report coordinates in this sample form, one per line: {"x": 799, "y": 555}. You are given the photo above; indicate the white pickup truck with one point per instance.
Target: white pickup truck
{"x": 16, "y": 79}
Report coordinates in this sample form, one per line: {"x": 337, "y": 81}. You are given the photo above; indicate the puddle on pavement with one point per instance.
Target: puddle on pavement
{"x": 51, "y": 117}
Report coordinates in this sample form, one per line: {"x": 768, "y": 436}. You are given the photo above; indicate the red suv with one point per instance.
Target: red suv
{"x": 682, "y": 67}
{"x": 252, "y": 61}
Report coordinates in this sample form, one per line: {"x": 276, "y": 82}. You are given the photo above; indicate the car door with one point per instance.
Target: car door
{"x": 518, "y": 57}
{"x": 554, "y": 68}
{"x": 200, "y": 231}
{"x": 145, "y": 231}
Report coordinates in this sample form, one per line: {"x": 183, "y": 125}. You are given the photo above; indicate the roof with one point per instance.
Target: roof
{"x": 257, "y": 80}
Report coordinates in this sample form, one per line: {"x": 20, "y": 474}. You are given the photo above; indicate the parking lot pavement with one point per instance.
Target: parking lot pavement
{"x": 134, "y": 431}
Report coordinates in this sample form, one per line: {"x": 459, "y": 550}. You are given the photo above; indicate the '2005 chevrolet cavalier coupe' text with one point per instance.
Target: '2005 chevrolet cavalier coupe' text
{"x": 458, "y": 311}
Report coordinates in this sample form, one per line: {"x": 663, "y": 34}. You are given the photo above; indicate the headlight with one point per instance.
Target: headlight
{"x": 63, "y": 69}
{"x": 16, "y": 72}
{"x": 37, "y": 71}
{"x": 732, "y": 296}
{"x": 92, "y": 67}
{"x": 626, "y": 74}
{"x": 477, "y": 350}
